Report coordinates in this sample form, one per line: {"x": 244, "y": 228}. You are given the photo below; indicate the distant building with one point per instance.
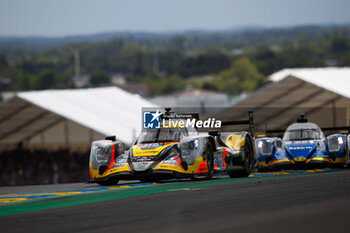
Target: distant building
{"x": 141, "y": 89}
{"x": 118, "y": 79}
{"x": 208, "y": 102}
{"x": 4, "y": 83}
{"x": 81, "y": 81}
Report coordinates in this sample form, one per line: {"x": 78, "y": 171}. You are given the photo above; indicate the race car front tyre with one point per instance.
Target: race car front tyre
{"x": 108, "y": 182}
{"x": 248, "y": 163}
{"x": 237, "y": 173}
{"x": 148, "y": 180}
{"x": 210, "y": 161}
{"x": 208, "y": 152}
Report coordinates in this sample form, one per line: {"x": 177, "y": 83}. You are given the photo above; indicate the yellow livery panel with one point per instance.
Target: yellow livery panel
{"x": 138, "y": 151}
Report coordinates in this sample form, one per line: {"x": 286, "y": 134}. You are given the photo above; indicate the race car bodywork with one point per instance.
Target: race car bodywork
{"x": 235, "y": 154}
{"x": 166, "y": 153}
{"x": 150, "y": 160}
{"x": 303, "y": 145}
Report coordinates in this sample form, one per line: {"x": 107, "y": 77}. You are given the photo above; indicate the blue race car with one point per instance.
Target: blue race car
{"x": 303, "y": 145}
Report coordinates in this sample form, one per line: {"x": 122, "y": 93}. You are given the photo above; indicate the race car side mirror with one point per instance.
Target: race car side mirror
{"x": 112, "y": 138}
{"x": 214, "y": 133}
{"x": 279, "y": 143}
{"x": 119, "y": 148}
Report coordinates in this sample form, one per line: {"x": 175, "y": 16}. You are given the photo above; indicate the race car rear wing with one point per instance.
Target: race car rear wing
{"x": 249, "y": 122}
{"x": 281, "y": 131}
{"x": 303, "y": 119}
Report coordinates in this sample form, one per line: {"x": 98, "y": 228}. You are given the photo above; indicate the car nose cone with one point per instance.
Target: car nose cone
{"x": 299, "y": 159}
{"x": 141, "y": 166}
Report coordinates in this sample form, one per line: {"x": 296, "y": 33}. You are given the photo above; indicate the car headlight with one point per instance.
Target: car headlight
{"x": 320, "y": 145}
{"x": 334, "y": 144}
{"x": 188, "y": 147}
{"x": 340, "y": 140}
{"x": 102, "y": 154}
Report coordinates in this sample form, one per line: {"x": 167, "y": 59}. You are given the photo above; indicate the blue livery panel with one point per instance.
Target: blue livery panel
{"x": 303, "y": 144}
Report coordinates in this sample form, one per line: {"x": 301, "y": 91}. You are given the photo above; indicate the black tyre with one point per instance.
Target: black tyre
{"x": 248, "y": 163}
{"x": 210, "y": 161}
{"x": 108, "y": 182}
{"x": 262, "y": 170}
{"x": 210, "y": 164}
{"x": 148, "y": 180}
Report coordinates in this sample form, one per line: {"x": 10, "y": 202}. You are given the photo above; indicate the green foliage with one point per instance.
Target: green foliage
{"x": 210, "y": 62}
{"x": 155, "y": 84}
{"x": 100, "y": 77}
{"x": 158, "y": 86}
{"x": 172, "y": 84}
{"x": 25, "y": 82}
{"x": 146, "y": 58}
{"x": 3, "y": 62}
{"x": 241, "y": 76}
{"x": 134, "y": 59}
{"x": 340, "y": 45}
{"x": 209, "y": 86}
{"x": 46, "y": 79}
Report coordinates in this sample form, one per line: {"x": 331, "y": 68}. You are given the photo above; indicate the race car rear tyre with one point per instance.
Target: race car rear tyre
{"x": 248, "y": 162}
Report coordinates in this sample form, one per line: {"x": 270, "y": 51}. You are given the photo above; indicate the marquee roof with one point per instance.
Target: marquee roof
{"x": 108, "y": 110}
{"x": 295, "y": 91}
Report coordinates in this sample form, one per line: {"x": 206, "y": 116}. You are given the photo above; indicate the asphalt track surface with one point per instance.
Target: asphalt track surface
{"x": 310, "y": 202}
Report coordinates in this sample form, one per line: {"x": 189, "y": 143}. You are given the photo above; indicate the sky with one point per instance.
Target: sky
{"x": 59, "y": 18}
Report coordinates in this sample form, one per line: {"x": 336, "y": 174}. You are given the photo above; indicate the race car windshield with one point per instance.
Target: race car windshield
{"x": 303, "y": 134}
{"x": 162, "y": 135}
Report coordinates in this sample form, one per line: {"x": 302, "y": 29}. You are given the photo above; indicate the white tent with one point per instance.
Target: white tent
{"x": 334, "y": 79}
{"x": 70, "y": 118}
{"x": 323, "y": 94}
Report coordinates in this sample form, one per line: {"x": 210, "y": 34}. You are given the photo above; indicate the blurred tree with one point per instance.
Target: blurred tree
{"x": 3, "y": 61}
{"x": 340, "y": 45}
{"x": 227, "y": 82}
{"x": 247, "y": 74}
{"x": 173, "y": 83}
{"x": 155, "y": 84}
{"x": 180, "y": 42}
{"x": 189, "y": 54}
{"x": 266, "y": 60}
{"x": 209, "y": 86}
{"x": 100, "y": 77}
{"x": 242, "y": 76}
{"x": 134, "y": 59}
{"x": 206, "y": 63}
{"x": 158, "y": 86}
{"x": 47, "y": 79}
{"x": 24, "y": 82}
